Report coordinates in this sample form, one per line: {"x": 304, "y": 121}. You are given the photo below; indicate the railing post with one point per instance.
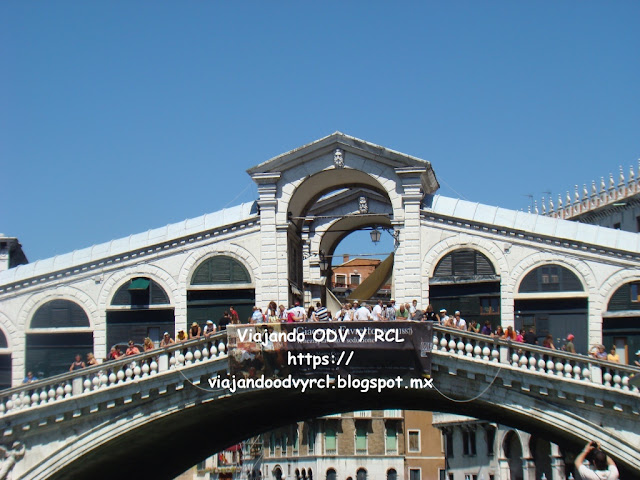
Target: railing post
{"x": 76, "y": 386}
{"x": 163, "y": 362}
{"x": 596, "y": 374}
{"x": 504, "y": 354}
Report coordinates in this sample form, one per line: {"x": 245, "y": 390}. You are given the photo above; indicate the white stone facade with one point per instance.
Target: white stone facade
{"x": 289, "y": 186}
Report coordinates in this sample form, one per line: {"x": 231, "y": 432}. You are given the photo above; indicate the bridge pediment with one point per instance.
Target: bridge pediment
{"x": 350, "y": 146}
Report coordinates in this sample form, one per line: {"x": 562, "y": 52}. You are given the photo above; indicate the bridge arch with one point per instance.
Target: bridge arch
{"x": 299, "y": 194}
{"x": 146, "y": 414}
{"x": 146, "y": 439}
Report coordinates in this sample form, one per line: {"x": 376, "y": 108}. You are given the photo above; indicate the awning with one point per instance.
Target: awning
{"x": 139, "y": 284}
{"x": 295, "y": 290}
{"x": 370, "y": 286}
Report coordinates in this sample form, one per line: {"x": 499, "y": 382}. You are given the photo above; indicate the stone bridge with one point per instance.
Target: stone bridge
{"x": 154, "y": 415}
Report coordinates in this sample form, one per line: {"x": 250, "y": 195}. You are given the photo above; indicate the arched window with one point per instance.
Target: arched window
{"x": 50, "y": 352}
{"x": 220, "y": 270}
{"x": 465, "y": 262}
{"x": 5, "y": 363}
{"x": 139, "y": 308}
{"x": 140, "y": 291}
{"x": 277, "y": 473}
{"x": 331, "y": 474}
{"x": 60, "y": 314}
{"x": 550, "y": 278}
{"x": 392, "y": 474}
{"x": 361, "y": 474}
{"x": 627, "y": 297}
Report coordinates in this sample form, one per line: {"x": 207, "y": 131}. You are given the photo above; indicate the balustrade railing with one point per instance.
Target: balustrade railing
{"x": 532, "y": 358}
{"x": 114, "y": 372}
{"x": 448, "y": 341}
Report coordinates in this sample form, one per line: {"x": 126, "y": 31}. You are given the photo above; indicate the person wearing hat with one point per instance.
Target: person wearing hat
{"x": 569, "y": 346}
{"x": 195, "y": 331}
{"x": 209, "y": 328}
{"x": 182, "y": 336}
{"x": 166, "y": 340}
{"x": 637, "y": 355}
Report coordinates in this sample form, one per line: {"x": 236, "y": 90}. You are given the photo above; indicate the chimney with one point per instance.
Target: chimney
{"x": 345, "y": 258}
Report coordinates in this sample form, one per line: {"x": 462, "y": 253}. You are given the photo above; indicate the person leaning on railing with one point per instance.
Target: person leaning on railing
{"x": 166, "y": 340}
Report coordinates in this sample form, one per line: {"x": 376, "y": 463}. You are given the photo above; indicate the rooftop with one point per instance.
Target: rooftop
{"x": 534, "y": 223}
{"x": 121, "y": 246}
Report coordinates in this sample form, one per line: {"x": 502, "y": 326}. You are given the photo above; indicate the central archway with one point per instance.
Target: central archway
{"x": 291, "y": 185}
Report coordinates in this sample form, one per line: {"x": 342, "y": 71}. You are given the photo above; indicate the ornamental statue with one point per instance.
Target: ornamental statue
{"x": 363, "y": 206}
{"x": 338, "y": 158}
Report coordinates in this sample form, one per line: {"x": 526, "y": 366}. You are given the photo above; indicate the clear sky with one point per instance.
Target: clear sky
{"x": 121, "y": 116}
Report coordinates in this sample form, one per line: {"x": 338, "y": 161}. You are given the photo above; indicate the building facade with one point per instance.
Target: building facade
{"x": 520, "y": 269}
{"x": 477, "y": 449}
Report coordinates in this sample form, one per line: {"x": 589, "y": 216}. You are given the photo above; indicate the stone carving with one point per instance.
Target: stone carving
{"x": 363, "y": 206}
{"x": 338, "y": 158}
{"x": 9, "y": 457}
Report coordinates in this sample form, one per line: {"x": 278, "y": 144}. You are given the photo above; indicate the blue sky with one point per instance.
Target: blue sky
{"x": 117, "y": 117}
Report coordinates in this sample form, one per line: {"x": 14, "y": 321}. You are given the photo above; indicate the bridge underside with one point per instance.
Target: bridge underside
{"x": 170, "y": 444}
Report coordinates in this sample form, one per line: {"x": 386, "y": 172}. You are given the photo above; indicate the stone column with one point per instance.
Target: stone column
{"x": 557, "y": 463}
{"x": 407, "y": 275}
{"x": 503, "y": 468}
{"x": 528, "y": 468}
{"x": 267, "y": 285}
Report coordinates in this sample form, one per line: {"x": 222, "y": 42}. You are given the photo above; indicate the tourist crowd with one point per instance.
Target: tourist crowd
{"x": 355, "y": 311}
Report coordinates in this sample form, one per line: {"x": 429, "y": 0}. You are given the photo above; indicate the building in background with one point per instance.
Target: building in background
{"x": 480, "y": 450}
{"x": 615, "y": 204}
{"x": 351, "y": 273}
{"x": 368, "y": 444}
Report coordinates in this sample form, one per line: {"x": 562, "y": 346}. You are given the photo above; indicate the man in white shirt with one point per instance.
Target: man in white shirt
{"x": 377, "y": 312}
{"x": 605, "y": 468}
{"x": 459, "y": 322}
{"x": 413, "y": 307}
{"x": 363, "y": 313}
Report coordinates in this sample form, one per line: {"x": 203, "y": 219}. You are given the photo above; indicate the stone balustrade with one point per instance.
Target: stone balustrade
{"x": 113, "y": 373}
{"x": 448, "y": 342}
{"x": 535, "y": 359}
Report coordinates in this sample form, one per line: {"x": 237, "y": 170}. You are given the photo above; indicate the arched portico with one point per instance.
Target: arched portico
{"x": 291, "y": 184}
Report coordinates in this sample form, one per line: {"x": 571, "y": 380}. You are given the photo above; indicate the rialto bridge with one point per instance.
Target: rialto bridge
{"x": 157, "y": 413}
{"x": 518, "y": 268}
